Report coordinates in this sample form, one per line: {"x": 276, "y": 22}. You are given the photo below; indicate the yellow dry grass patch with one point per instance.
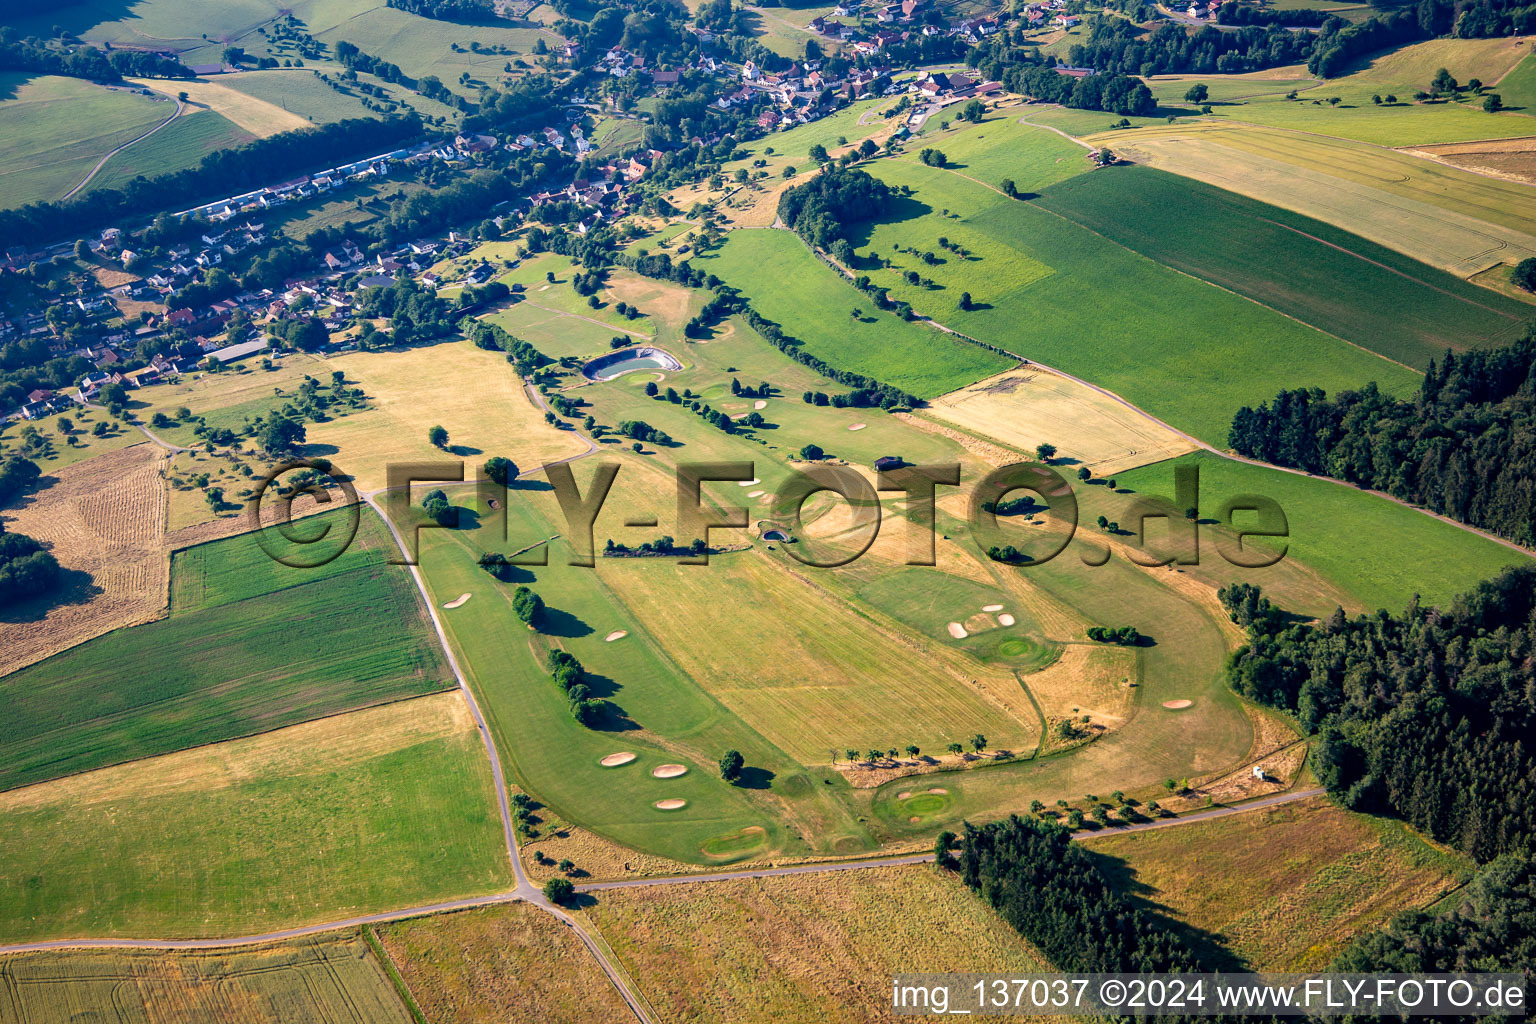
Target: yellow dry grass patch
{"x": 1447, "y": 217}
{"x": 1287, "y": 887}
{"x": 472, "y": 393}
{"x": 819, "y": 947}
{"x": 1505, "y": 158}
{"x": 1027, "y": 406}
{"x": 326, "y": 745}
{"x": 1088, "y": 679}
{"x": 497, "y": 964}
{"x": 256, "y": 116}
{"x": 661, "y": 300}
{"x": 1287, "y": 73}
{"x": 104, "y": 520}
{"x": 1466, "y": 59}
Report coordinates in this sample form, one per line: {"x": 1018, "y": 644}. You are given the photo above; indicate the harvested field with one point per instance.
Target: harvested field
{"x": 104, "y": 520}
{"x": 802, "y": 948}
{"x": 333, "y": 978}
{"x": 256, "y": 116}
{"x": 1284, "y": 888}
{"x": 1504, "y": 158}
{"x": 500, "y": 964}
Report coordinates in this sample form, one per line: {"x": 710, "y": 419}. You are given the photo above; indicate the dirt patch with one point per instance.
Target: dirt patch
{"x": 1176, "y": 705}
{"x": 904, "y": 795}
{"x": 618, "y": 634}
{"x": 1514, "y": 159}
{"x": 614, "y": 760}
{"x": 674, "y": 804}
{"x": 459, "y": 601}
{"x": 669, "y": 771}
{"x": 104, "y": 520}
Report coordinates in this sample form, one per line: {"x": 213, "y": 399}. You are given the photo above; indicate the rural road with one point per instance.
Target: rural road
{"x": 180, "y": 106}
{"x": 632, "y": 883}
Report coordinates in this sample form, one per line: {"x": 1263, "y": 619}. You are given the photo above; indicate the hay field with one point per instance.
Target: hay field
{"x": 802, "y": 948}
{"x": 1287, "y": 887}
{"x": 498, "y": 964}
{"x": 104, "y": 520}
{"x": 1441, "y": 215}
{"x": 217, "y": 668}
{"x": 256, "y": 116}
{"x": 334, "y": 978}
{"x": 384, "y": 808}
{"x": 56, "y": 129}
{"x": 1026, "y": 407}
{"x": 1304, "y": 268}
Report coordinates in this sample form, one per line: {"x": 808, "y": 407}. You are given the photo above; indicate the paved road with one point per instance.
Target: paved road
{"x": 103, "y": 161}
{"x": 629, "y": 883}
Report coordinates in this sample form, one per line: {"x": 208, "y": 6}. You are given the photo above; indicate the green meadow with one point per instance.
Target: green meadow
{"x": 181, "y": 144}
{"x": 249, "y": 645}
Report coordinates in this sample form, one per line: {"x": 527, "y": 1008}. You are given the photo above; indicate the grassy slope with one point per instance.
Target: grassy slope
{"x": 181, "y": 144}
{"x": 57, "y": 128}
{"x": 222, "y": 666}
{"x": 332, "y": 978}
{"x": 1187, "y": 352}
{"x": 1285, "y": 888}
{"x": 1375, "y": 550}
{"x": 1302, "y": 267}
{"x": 787, "y": 284}
{"x": 385, "y": 808}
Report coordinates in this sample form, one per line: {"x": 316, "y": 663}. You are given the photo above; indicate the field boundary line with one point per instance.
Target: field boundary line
{"x": 397, "y": 982}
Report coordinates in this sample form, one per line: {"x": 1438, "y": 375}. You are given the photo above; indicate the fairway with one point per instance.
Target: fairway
{"x": 785, "y": 283}
{"x": 333, "y": 978}
{"x": 56, "y": 129}
{"x": 1052, "y": 291}
{"x": 1287, "y": 887}
{"x": 385, "y": 808}
{"x": 228, "y": 661}
{"x": 1376, "y": 551}
{"x": 1444, "y": 216}
{"x": 1301, "y": 267}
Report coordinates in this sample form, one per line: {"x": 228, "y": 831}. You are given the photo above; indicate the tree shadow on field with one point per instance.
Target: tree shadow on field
{"x": 902, "y": 208}
{"x": 1209, "y": 947}
{"x": 615, "y": 719}
{"x": 563, "y": 624}
{"x": 71, "y": 587}
{"x": 755, "y": 778}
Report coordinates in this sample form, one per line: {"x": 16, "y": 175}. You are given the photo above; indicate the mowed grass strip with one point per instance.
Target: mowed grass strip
{"x": 1301, "y": 267}
{"x": 329, "y": 978}
{"x": 804, "y": 947}
{"x": 249, "y": 646}
{"x": 787, "y": 284}
{"x": 1376, "y": 551}
{"x": 381, "y": 809}
{"x": 1284, "y": 889}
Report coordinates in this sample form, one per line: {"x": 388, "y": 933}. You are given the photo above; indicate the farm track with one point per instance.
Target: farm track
{"x": 518, "y": 895}
{"x": 180, "y": 107}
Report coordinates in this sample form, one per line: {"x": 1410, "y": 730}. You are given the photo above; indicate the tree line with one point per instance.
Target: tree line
{"x": 1464, "y": 446}
{"x": 1024, "y": 70}
{"x": 35, "y": 55}
{"x": 1428, "y": 715}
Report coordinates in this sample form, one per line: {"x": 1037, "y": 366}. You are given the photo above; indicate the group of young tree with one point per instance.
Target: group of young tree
{"x": 1464, "y": 446}
{"x": 1126, "y": 636}
{"x": 37, "y": 56}
{"x": 1426, "y": 714}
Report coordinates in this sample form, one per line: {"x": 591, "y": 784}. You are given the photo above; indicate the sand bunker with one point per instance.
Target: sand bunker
{"x": 857, "y": 426}
{"x": 618, "y": 634}
{"x": 1058, "y": 492}
{"x": 904, "y": 796}
{"x": 614, "y": 760}
{"x": 914, "y": 819}
{"x": 1005, "y": 619}
{"x": 674, "y": 804}
{"x": 759, "y": 404}
{"x": 939, "y": 790}
{"x": 457, "y": 601}
{"x": 991, "y": 607}
{"x": 669, "y": 771}
{"x": 957, "y": 631}
{"x": 748, "y": 483}
{"x": 1175, "y": 705}
{"x": 754, "y": 494}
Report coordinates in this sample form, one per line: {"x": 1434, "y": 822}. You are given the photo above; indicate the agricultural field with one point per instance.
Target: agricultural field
{"x": 1199, "y": 352}
{"x": 1285, "y": 888}
{"x": 220, "y": 94}
{"x": 497, "y": 964}
{"x": 1301, "y": 267}
{"x": 57, "y": 129}
{"x": 803, "y": 947}
{"x": 181, "y": 144}
{"x": 1003, "y": 146}
{"x": 332, "y": 978}
{"x": 220, "y": 666}
{"x": 786, "y": 284}
{"x": 1376, "y": 551}
{"x": 357, "y": 205}
{"x": 1438, "y": 214}
{"x": 380, "y": 809}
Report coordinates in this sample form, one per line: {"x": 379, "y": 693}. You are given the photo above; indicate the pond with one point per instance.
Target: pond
{"x": 616, "y": 364}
